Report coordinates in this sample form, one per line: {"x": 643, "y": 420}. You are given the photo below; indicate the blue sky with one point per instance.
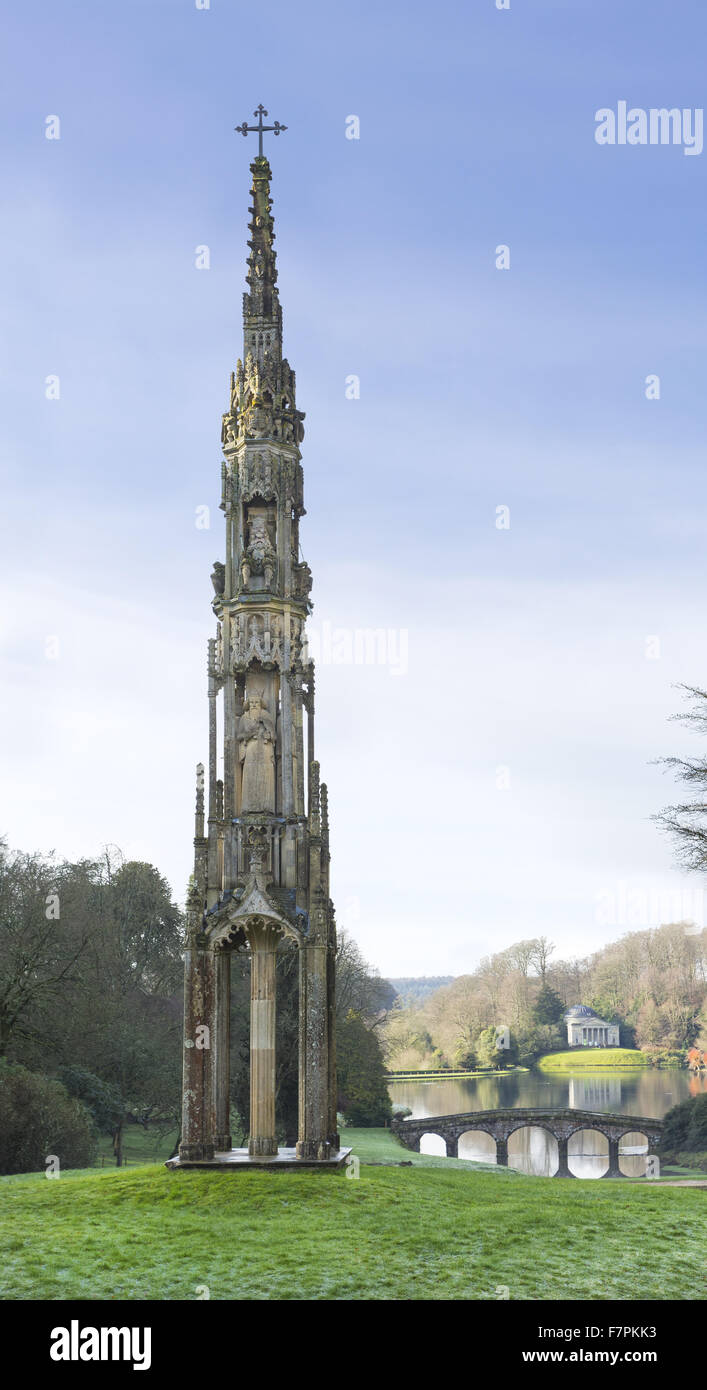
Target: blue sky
{"x": 479, "y": 388}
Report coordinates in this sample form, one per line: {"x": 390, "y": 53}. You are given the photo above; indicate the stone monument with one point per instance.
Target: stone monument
{"x": 261, "y": 846}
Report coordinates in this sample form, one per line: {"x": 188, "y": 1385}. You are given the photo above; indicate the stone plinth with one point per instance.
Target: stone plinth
{"x": 236, "y": 1160}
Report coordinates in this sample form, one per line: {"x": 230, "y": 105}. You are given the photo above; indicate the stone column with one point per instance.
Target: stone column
{"x": 502, "y": 1153}
{"x": 196, "y": 1141}
{"x": 286, "y": 722}
{"x": 214, "y": 870}
{"x": 314, "y": 1119}
{"x": 563, "y": 1170}
{"x": 298, "y": 751}
{"x": 452, "y": 1148}
{"x": 333, "y": 1129}
{"x": 263, "y": 943}
{"x": 222, "y": 1052}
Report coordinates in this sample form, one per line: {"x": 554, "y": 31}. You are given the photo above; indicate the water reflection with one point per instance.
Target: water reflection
{"x": 533, "y": 1150}
{"x": 588, "y": 1154}
{"x": 632, "y": 1155}
{"x": 477, "y": 1145}
{"x": 595, "y": 1093}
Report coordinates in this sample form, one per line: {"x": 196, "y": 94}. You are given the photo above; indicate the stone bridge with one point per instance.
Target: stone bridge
{"x": 500, "y": 1124}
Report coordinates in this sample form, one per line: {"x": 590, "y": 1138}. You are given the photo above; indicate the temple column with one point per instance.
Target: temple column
{"x": 222, "y": 1051}
{"x": 196, "y": 1141}
{"x": 263, "y": 944}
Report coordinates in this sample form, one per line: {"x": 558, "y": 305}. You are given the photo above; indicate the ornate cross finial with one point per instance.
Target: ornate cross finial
{"x": 246, "y": 129}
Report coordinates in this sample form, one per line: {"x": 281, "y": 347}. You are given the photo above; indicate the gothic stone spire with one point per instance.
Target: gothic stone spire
{"x": 262, "y": 868}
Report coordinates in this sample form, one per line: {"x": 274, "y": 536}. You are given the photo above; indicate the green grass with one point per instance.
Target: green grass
{"x": 431, "y": 1231}
{"x": 380, "y": 1147}
{"x": 139, "y": 1146}
{"x": 592, "y": 1059}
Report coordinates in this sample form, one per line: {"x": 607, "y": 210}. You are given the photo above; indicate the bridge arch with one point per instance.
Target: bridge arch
{"x": 434, "y": 1144}
{"x": 590, "y": 1133}
{"x": 588, "y": 1154}
{"x": 533, "y": 1149}
{"x": 634, "y": 1148}
{"x": 477, "y": 1143}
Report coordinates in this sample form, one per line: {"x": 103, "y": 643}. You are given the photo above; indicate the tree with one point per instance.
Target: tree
{"x": 685, "y": 1127}
{"x": 102, "y": 1102}
{"x": 362, "y": 1085}
{"x": 548, "y": 1007}
{"x": 39, "y": 1121}
{"x": 44, "y": 932}
{"x": 486, "y": 1048}
{"x": 542, "y": 950}
{"x": 686, "y": 822}
{"x": 90, "y": 971}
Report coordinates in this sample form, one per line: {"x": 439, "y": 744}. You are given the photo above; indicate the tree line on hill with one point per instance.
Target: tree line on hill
{"x": 91, "y": 1013}
{"x": 653, "y": 983}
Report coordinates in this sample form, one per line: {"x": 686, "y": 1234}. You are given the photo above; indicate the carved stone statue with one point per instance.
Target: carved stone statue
{"x": 256, "y": 753}
{"x": 218, "y": 576}
{"x": 260, "y": 556}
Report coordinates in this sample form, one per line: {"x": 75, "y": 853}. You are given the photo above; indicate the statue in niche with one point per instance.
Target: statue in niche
{"x": 259, "y": 557}
{"x": 303, "y": 580}
{"x": 256, "y": 754}
{"x": 259, "y": 420}
{"x": 228, "y": 431}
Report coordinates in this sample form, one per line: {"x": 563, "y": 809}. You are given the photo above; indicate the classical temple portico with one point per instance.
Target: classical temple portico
{"x": 261, "y": 844}
{"x": 586, "y": 1029}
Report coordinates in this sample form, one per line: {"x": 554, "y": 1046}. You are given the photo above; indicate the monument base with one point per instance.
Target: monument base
{"x": 236, "y": 1160}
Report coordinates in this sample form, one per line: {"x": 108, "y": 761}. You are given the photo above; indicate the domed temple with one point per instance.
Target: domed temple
{"x": 586, "y": 1029}
{"x": 261, "y": 846}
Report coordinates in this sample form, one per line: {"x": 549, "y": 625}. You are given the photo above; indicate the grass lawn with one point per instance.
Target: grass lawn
{"x": 592, "y": 1059}
{"x": 435, "y": 1230}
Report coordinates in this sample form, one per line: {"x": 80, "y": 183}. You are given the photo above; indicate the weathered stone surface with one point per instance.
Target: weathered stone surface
{"x": 262, "y": 869}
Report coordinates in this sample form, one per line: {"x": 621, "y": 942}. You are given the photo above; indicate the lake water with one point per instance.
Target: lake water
{"x": 532, "y": 1150}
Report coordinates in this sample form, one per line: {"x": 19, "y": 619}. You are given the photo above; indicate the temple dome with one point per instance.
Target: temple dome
{"x": 580, "y": 1011}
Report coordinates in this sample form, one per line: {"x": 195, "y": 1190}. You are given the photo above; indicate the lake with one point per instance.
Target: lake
{"x": 532, "y": 1150}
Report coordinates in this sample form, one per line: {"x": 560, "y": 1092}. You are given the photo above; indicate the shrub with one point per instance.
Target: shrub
{"x": 401, "y": 1112}
{"x": 101, "y": 1100}
{"x": 685, "y": 1126}
{"x": 664, "y": 1056}
{"x": 38, "y": 1117}
{"x": 697, "y": 1129}
{"x": 675, "y": 1126}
